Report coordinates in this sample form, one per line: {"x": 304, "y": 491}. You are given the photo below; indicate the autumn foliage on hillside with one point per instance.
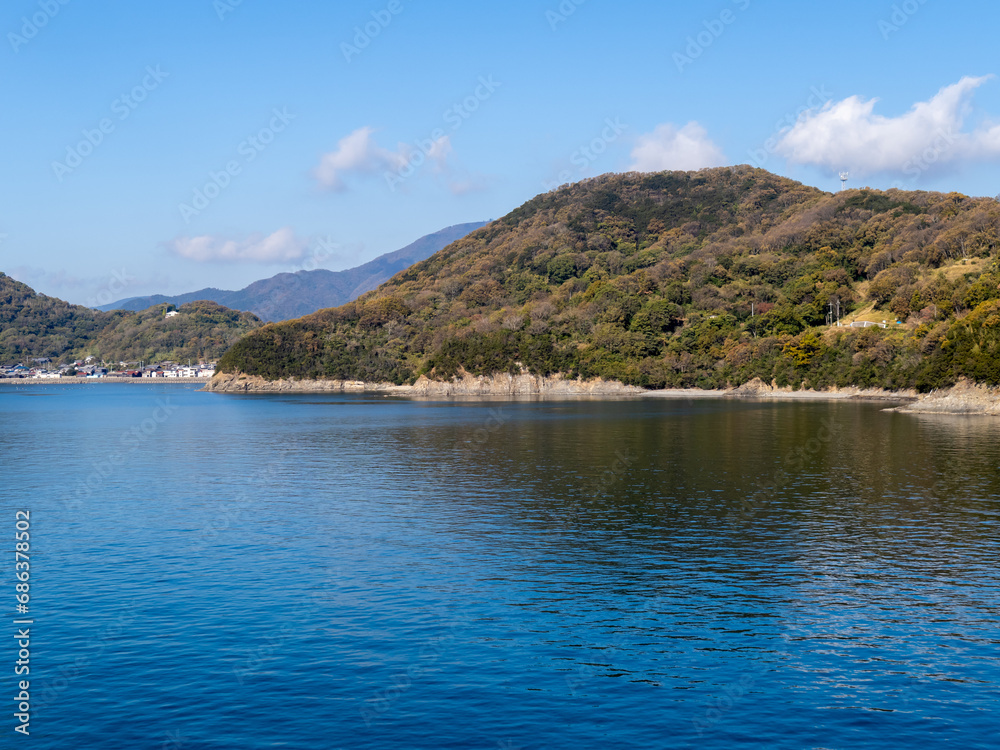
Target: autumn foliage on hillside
{"x": 676, "y": 279}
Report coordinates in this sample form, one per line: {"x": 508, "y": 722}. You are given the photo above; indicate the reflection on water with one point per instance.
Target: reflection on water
{"x": 368, "y": 572}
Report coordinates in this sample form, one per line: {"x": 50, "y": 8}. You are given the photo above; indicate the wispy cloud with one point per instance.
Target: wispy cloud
{"x": 849, "y": 133}
{"x": 670, "y": 147}
{"x": 278, "y": 247}
{"x": 359, "y": 154}
{"x": 467, "y": 183}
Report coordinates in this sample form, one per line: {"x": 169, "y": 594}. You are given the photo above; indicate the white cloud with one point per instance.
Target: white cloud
{"x": 849, "y": 134}
{"x": 439, "y": 152}
{"x": 358, "y": 153}
{"x": 669, "y": 147}
{"x": 468, "y": 183}
{"x": 280, "y": 246}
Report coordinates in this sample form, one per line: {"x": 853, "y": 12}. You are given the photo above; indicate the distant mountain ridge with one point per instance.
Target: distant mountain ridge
{"x": 292, "y": 295}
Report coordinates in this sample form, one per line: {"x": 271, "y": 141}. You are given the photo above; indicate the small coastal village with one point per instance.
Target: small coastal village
{"x": 90, "y": 369}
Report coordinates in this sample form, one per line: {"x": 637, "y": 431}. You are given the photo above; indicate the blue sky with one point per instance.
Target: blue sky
{"x": 167, "y": 146}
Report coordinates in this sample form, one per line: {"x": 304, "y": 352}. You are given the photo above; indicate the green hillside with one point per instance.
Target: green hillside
{"x": 34, "y": 326}
{"x": 679, "y": 279}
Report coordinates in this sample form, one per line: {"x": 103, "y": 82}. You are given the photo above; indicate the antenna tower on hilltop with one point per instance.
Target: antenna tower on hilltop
{"x": 843, "y": 180}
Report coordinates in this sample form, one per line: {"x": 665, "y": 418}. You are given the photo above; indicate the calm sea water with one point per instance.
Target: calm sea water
{"x": 299, "y": 571}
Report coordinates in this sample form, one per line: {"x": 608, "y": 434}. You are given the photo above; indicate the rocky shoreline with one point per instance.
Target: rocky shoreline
{"x": 468, "y": 385}
{"x": 963, "y": 398}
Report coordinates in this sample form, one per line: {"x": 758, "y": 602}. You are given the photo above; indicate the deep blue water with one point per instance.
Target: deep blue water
{"x": 298, "y": 571}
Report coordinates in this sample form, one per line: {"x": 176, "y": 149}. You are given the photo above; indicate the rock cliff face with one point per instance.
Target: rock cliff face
{"x": 466, "y": 385}
{"x": 755, "y": 387}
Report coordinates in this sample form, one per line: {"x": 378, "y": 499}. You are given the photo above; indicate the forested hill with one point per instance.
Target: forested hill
{"x": 35, "y": 326}
{"x": 680, "y": 279}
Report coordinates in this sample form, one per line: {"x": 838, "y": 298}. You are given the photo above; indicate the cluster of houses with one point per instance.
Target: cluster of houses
{"x": 44, "y": 369}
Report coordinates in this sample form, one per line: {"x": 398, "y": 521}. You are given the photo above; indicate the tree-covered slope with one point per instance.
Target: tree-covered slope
{"x": 200, "y": 331}
{"x": 678, "y": 279}
{"x": 35, "y": 326}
